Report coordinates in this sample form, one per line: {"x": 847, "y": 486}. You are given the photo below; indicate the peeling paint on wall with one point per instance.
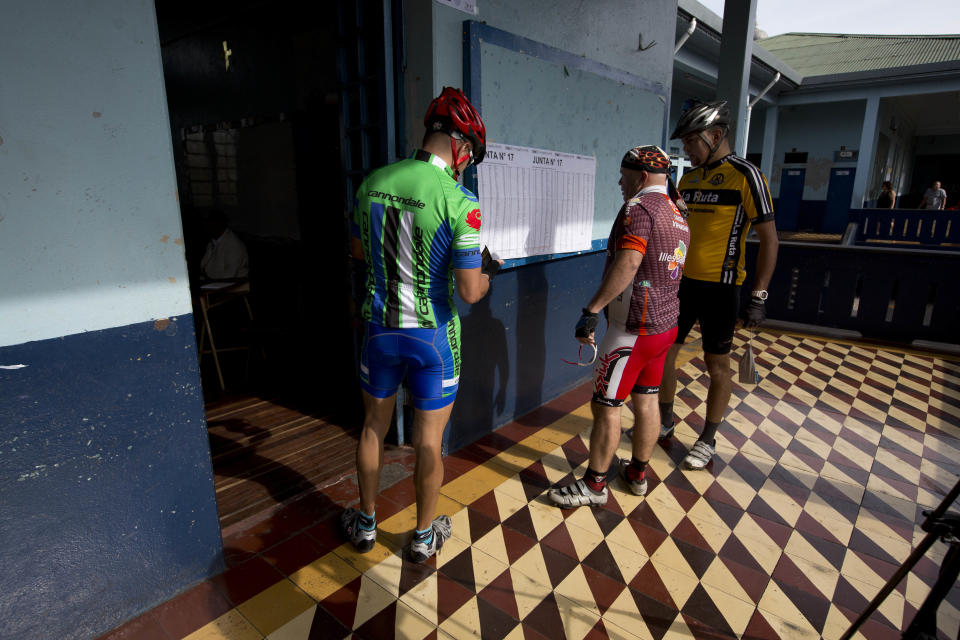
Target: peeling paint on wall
{"x": 818, "y": 173}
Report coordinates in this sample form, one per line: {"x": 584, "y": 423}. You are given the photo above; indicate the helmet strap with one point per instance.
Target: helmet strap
{"x": 453, "y": 155}
{"x": 457, "y": 160}
{"x": 712, "y": 147}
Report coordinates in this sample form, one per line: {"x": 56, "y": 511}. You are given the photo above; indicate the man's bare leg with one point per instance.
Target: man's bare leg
{"x": 646, "y": 432}
{"x": 604, "y": 437}
{"x": 668, "y": 391}
{"x": 378, "y": 412}
{"x": 718, "y": 399}
{"x": 428, "y": 429}
{"x": 646, "y": 425}
{"x": 720, "y": 389}
{"x": 668, "y": 386}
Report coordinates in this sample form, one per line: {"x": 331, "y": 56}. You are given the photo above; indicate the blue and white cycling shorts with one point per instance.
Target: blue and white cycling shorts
{"x": 430, "y": 358}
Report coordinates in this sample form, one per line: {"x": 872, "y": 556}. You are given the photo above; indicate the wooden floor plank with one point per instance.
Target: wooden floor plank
{"x": 266, "y": 452}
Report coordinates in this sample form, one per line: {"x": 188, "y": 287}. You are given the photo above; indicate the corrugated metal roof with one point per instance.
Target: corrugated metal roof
{"x": 817, "y": 54}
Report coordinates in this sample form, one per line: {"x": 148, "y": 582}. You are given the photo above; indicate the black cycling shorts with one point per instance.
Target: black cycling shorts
{"x": 716, "y": 305}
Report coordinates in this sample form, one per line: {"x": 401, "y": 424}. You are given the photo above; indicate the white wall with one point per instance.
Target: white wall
{"x": 90, "y": 232}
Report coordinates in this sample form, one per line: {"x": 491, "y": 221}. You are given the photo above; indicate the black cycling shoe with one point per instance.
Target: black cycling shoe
{"x": 666, "y": 432}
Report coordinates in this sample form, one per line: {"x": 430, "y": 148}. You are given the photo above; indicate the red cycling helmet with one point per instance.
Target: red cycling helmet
{"x": 451, "y": 112}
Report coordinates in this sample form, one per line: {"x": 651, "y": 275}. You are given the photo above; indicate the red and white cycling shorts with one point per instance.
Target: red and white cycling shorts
{"x": 628, "y": 363}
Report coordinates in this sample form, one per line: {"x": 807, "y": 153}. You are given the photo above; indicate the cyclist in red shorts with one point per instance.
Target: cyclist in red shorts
{"x": 645, "y": 255}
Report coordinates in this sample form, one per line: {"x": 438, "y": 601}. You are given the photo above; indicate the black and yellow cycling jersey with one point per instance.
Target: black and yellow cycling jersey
{"x": 724, "y": 198}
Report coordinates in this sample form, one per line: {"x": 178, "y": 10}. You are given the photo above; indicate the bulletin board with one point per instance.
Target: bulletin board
{"x": 535, "y": 96}
{"x": 536, "y": 201}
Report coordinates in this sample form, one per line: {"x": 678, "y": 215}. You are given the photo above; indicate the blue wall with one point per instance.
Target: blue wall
{"x": 818, "y": 129}
{"x": 104, "y": 479}
{"x": 607, "y": 34}
{"x": 513, "y": 341}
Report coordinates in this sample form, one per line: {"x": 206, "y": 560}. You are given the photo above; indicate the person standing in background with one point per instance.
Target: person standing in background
{"x": 888, "y": 197}
{"x": 934, "y": 197}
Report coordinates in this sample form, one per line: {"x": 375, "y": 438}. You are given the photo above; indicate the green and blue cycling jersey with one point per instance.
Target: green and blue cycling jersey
{"x": 416, "y": 224}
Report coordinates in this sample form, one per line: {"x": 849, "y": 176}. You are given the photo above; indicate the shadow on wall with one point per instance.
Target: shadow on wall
{"x": 484, "y": 374}
{"x": 521, "y": 330}
{"x": 533, "y": 291}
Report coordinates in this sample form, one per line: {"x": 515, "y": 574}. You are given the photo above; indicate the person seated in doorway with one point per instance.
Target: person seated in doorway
{"x": 887, "y": 197}
{"x": 226, "y": 255}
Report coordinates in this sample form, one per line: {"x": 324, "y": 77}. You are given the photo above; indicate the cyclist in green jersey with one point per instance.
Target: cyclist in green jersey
{"x": 417, "y": 231}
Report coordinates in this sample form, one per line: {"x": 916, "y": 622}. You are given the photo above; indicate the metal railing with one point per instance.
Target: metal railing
{"x": 906, "y": 226}
{"x": 882, "y": 292}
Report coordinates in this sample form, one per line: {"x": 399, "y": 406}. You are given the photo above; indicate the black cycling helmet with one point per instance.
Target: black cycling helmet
{"x": 452, "y": 113}
{"x": 699, "y": 116}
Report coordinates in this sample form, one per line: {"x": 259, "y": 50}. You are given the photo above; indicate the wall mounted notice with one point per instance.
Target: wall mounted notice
{"x": 535, "y": 201}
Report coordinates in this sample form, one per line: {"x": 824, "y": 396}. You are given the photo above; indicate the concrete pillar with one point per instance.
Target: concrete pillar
{"x": 736, "y": 49}
{"x": 769, "y": 141}
{"x": 868, "y": 144}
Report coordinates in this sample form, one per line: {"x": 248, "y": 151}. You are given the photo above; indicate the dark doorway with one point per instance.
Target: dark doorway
{"x": 276, "y": 109}
{"x": 927, "y": 169}
{"x": 791, "y": 193}
{"x": 839, "y": 194}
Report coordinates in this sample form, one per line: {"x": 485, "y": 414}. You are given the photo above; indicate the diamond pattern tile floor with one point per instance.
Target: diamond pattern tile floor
{"x": 812, "y": 502}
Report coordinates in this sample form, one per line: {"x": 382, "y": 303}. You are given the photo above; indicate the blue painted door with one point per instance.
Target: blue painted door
{"x": 839, "y": 192}
{"x": 791, "y": 192}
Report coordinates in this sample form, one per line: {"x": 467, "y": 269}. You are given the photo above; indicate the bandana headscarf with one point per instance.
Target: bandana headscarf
{"x": 649, "y": 158}
{"x": 653, "y": 159}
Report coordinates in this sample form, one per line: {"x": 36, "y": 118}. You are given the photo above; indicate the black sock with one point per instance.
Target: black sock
{"x": 666, "y": 413}
{"x": 595, "y": 480}
{"x": 709, "y": 433}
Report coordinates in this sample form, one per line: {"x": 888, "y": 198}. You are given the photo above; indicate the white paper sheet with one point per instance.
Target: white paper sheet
{"x": 467, "y": 6}
{"x": 535, "y": 201}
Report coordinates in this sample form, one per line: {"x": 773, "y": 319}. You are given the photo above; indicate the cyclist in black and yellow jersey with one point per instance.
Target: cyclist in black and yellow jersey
{"x": 725, "y": 195}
